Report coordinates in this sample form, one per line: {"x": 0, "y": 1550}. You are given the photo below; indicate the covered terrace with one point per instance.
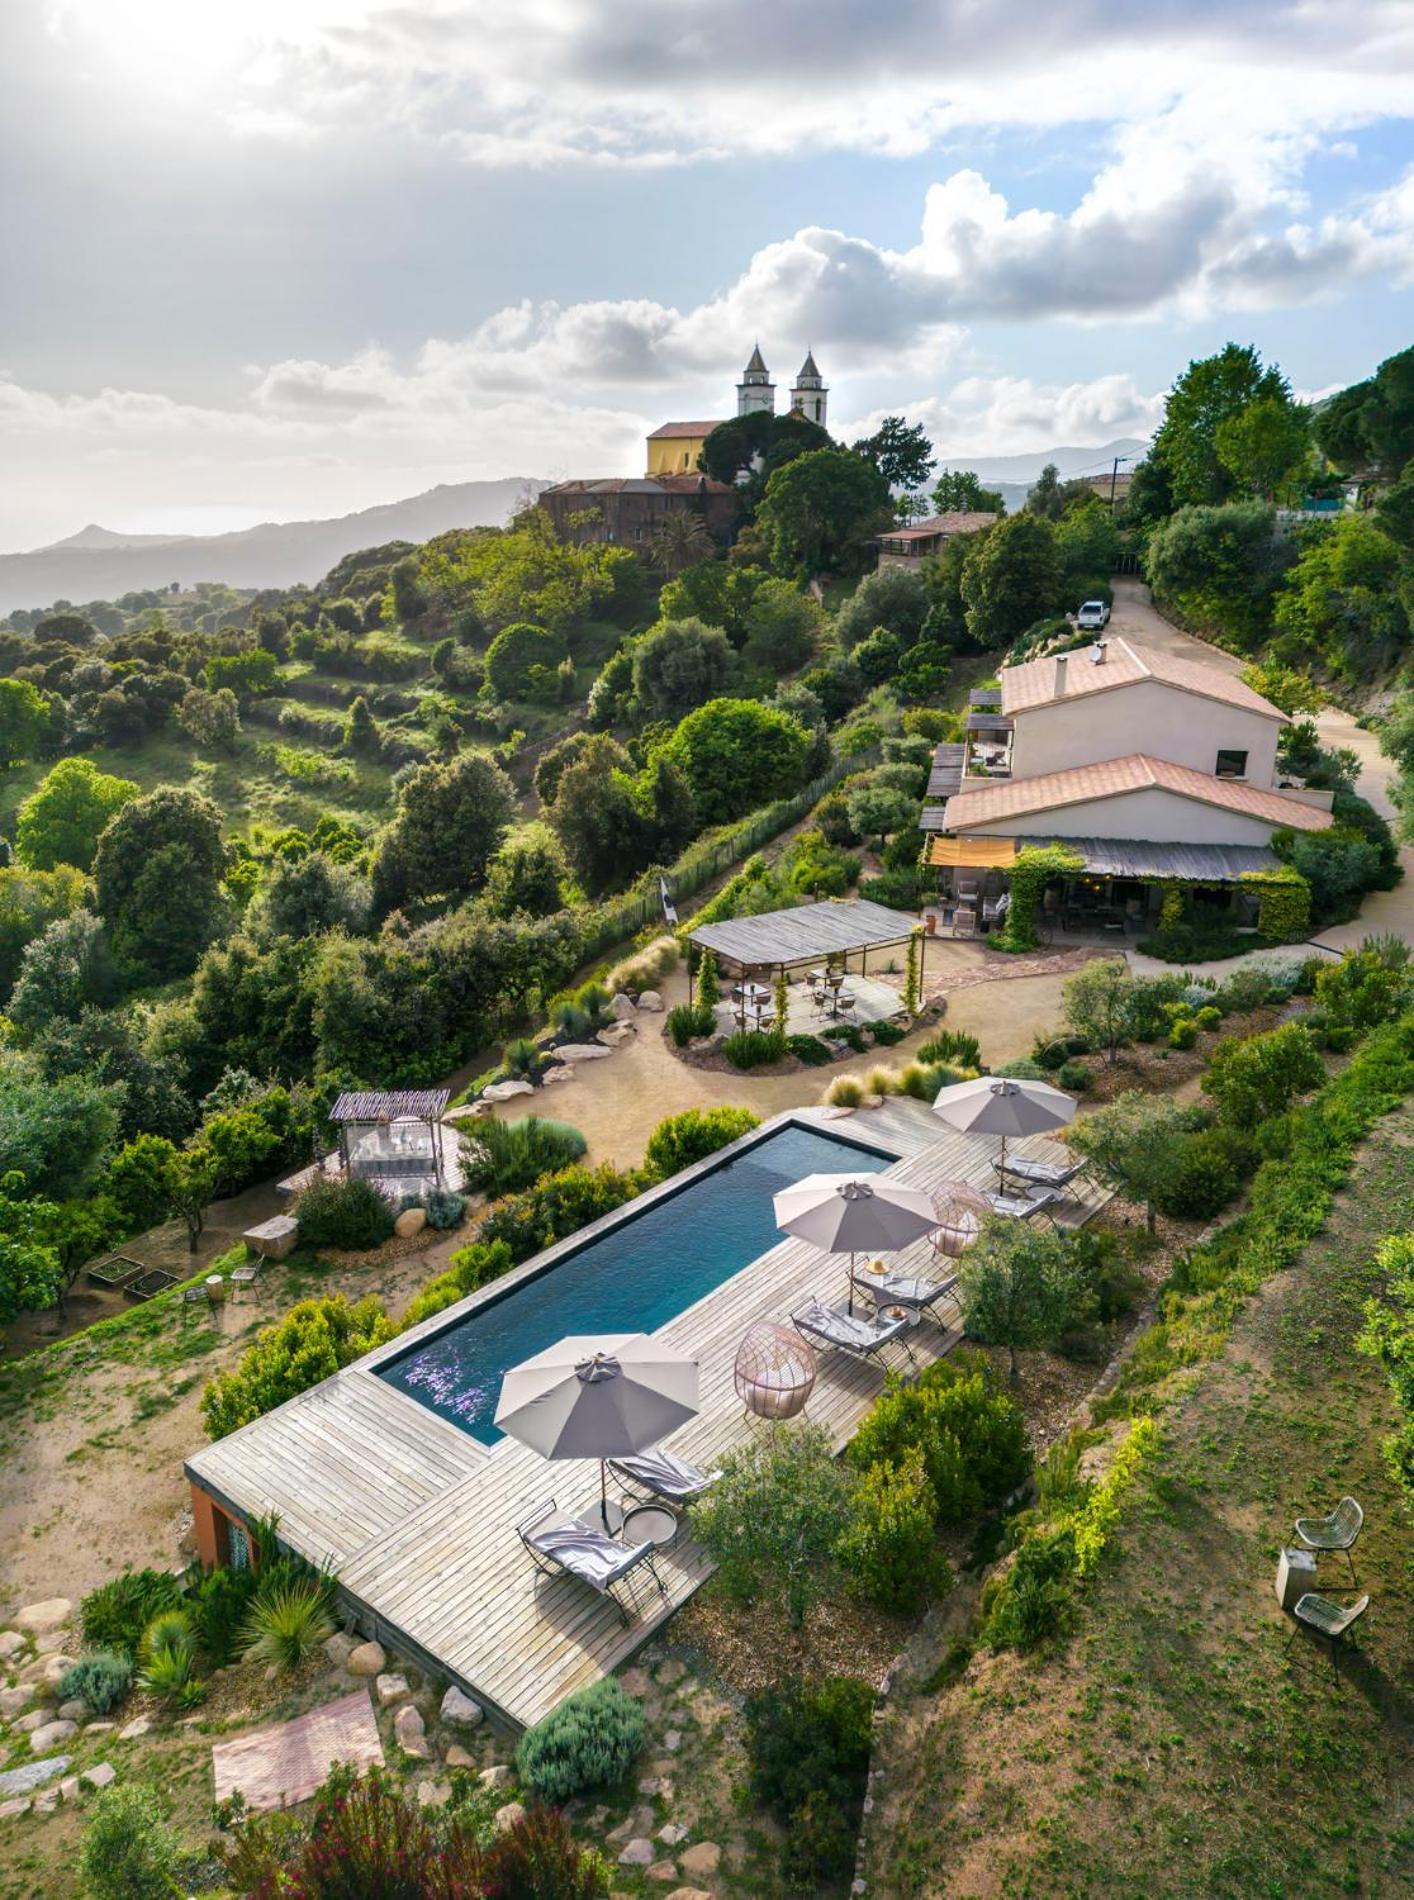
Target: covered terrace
{"x": 837, "y": 938}
{"x": 1119, "y": 891}
{"x": 391, "y": 1137}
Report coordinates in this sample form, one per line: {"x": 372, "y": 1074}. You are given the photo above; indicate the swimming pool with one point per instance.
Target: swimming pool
{"x": 631, "y": 1279}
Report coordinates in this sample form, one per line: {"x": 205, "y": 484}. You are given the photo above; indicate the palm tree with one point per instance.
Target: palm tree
{"x": 680, "y": 541}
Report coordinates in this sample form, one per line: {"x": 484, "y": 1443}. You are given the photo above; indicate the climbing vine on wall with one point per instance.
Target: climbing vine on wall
{"x": 1032, "y": 870}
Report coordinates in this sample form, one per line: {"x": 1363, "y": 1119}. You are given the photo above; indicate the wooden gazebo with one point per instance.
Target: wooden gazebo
{"x": 829, "y": 932}
{"x": 376, "y": 1137}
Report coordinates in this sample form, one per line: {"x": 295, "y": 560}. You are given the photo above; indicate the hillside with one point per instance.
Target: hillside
{"x": 97, "y": 564}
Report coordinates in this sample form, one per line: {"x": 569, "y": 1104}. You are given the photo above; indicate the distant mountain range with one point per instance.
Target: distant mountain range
{"x": 1013, "y": 475}
{"x": 98, "y": 564}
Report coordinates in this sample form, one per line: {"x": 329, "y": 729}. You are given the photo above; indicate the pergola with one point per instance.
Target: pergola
{"x": 826, "y": 933}
{"x": 391, "y": 1134}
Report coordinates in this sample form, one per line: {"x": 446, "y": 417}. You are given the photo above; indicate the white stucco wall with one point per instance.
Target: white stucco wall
{"x": 1160, "y": 817}
{"x": 1144, "y": 717}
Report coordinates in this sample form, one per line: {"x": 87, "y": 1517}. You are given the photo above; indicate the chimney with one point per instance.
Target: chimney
{"x": 1060, "y": 675}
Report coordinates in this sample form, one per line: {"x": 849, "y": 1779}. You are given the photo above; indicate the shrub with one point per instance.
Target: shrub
{"x": 810, "y": 1050}
{"x": 168, "y": 1652}
{"x": 685, "y": 1024}
{"x": 315, "y": 1339}
{"x": 556, "y": 1206}
{"x": 1196, "y": 943}
{"x": 1075, "y": 1077}
{"x": 590, "y": 1741}
{"x": 128, "y": 1851}
{"x": 846, "y": 1091}
{"x": 1203, "y": 1175}
{"x": 445, "y": 1209}
{"x": 350, "y": 1216}
{"x": 217, "y": 1607}
{"x": 1019, "y": 1287}
{"x": 115, "y": 1615}
{"x": 1251, "y": 1078}
{"x": 1021, "y": 1069}
{"x": 538, "y": 1859}
{"x": 505, "y": 1157}
{"x": 953, "y": 1046}
{"x": 1034, "y": 1600}
{"x": 680, "y": 1140}
{"x": 101, "y": 1680}
{"x": 1183, "y": 1032}
{"x": 809, "y": 1746}
{"x": 886, "y": 1034}
{"x": 287, "y": 1623}
{"x": 888, "y": 1549}
{"x": 971, "y": 1435}
{"x": 472, "y": 1266}
{"x": 1209, "y": 1016}
{"x": 751, "y": 1048}
{"x": 772, "y": 1519}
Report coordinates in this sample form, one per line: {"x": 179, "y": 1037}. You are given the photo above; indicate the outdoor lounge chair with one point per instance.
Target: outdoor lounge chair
{"x": 1041, "y": 1174}
{"x": 1327, "y": 1619}
{"x": 849, "y": 1332}
{"x": 1336, "y": 1532}
{"x": 564, "y": 1546}
{"x": 663, "y": 1475}
{"x": 1023, "y": 1206}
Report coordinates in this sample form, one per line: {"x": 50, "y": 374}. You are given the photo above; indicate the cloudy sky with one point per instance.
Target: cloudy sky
{"x": 273, "y": 258}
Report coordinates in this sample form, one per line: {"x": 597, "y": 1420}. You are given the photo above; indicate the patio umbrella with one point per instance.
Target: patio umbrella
{"x": 606, "y": 1396}
{"x": 1004, "y": 1105}
{"x": 841, "y": 1213}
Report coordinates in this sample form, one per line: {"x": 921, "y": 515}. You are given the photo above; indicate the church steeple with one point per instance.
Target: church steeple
{"x": 756, "y": 391}
{"x": 808, "y": 397}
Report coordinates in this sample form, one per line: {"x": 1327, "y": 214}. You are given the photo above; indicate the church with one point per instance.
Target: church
{"x": 673, "y": 447}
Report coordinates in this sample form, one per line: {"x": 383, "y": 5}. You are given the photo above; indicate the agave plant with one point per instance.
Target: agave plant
{"x": 169, "y": 1660}
{"x": 284, "y": 1625}
{"x": 169, "y": 1629}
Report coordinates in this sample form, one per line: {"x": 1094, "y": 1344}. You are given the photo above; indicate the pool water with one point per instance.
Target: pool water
{"x": 632, "y": 1279}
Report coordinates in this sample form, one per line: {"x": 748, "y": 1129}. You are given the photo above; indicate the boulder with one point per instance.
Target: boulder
{"x": 411, "y": 1733}
{"x": 38, "y": 1618}
{"x": 560, "y": 1072}
{"x": 13, "y": 1700}
{"x": 367, "y": 1659}
{"x": 50, "y": 1736}
{"x": 702, "y": 1861}
{"x": 509, "y": 1816}
{"x": 411, "y": 1221}
{"x": 673, "y": 1834}
{"x": 69, "y": 1788}
{"x": 54, "y": 1669}
{"x": 459, "y": 1709}
{"x": 433, "y": 1794}
{"x": 339, "y": 1647}
{"x": 582, "y": 1051}
{"x": 689, "y": 1893}
{"x": 638, "y": 1853}
{"x": 662, "y": 1870}
{"x": 391, "y": 1689}
{"x": 138, "y": 1727}
{"x": 617, "y": 1034}
{"x": 46, "y": 1801}
{"x": 458, "y": 1757}
{"x": 621, "y": 1007}
{"x": 74, "y": 1710}
{"x": 505, "y": 1091}
{"x": 102, "y": 1775}
{"x": 51, "y": 1641}
{"x": 672, "y": 1740}
{"x": 10, "y": 1809}
{"x": 496, "y": 1777}
{"x": 11, "y": 1643}
{"x": 103, "y": 1728}
{"x": 635, "y": 1681}
{"x": 670, "y": 1672}
{"x": 32, "y": 1775}
{"x": 651, "y": 1001}
{"x": 273, "y": 1239}
{"x": 36, "y": 1718}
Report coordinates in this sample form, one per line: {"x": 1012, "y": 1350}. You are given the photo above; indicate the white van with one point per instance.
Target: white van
{"x": 1093, "y": 615}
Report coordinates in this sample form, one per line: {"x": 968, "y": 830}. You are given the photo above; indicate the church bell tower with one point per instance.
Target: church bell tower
{"x": 808, "y": 398}
{"x": 756, "y": 392}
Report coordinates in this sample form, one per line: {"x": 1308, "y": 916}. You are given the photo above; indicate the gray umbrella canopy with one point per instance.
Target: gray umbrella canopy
{"x": 840, "y": 1213}
{"x": 1004, "y": 1105}
{"x": 598, "y": 1396}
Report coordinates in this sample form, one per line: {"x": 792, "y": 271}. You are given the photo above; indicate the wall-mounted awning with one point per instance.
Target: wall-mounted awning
{"x": 973, "y": 854}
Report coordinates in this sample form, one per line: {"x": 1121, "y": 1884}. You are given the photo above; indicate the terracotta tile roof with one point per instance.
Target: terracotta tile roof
{"x": 667, "y": 430}
{"x": 1137, "y": 772}
{"x": 955, "y": 523}
{"x": 1126, "y": 662}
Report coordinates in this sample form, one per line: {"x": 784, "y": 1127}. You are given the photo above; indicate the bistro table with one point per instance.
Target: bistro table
{"x": 655, "y": 1523}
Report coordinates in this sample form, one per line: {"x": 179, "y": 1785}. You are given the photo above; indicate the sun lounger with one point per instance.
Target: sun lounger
{"x": 849, "y": 1332}
{"x": 564, "y": 1546}
{"x": 1041, "y": 1174}
{"x": 1023, "y": 1206}
{"x": 662, "y": 1475}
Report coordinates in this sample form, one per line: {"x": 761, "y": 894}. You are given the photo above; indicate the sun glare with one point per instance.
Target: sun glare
{"x": 186, "y": 44}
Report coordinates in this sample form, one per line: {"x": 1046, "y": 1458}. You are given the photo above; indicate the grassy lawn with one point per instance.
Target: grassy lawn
{"x": 1170, "y": 1748}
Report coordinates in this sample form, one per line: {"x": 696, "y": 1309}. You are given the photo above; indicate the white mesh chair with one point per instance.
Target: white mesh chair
{"x": 1327, "y": 1619}
{"x": 1336, "y": 1532}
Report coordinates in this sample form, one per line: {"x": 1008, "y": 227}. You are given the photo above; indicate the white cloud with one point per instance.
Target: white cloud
{"x": 1008, "y": 415}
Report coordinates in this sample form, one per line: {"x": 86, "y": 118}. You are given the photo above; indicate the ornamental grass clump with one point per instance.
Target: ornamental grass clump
{"x": 168, "y": 1657}
{"x": 287, "y": 1622}
{"x": 590, "y": 1741}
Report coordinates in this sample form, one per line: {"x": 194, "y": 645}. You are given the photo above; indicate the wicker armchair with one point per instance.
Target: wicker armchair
{"x": 1336, "y": 1532}
{"x": 1327, "y": 1619}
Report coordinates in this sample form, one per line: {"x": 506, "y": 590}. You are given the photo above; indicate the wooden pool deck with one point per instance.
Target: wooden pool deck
{"x": 418, "y": 1518}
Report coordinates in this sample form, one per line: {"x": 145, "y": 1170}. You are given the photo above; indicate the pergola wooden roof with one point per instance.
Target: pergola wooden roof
{"x": 808, "y": 934}
{"x": 391, "y": 1105}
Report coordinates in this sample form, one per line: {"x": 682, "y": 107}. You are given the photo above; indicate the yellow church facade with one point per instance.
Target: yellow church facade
{"x": 673, "y": 447}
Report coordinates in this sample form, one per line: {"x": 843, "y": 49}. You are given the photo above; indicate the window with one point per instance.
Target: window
{"x": 238, "y": 1552}
{"x": 1232, "y": 765}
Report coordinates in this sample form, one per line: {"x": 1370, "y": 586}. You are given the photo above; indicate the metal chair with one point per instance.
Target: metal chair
{"x": 1327, "y": 1619}
{"x": 1336, "y": 1532}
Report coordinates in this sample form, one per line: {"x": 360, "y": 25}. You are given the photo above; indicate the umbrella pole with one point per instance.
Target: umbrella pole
{"x": 604, "y": 1494}
{"x": 851, "y": 1285}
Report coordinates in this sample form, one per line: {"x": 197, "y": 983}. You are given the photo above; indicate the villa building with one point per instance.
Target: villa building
{"x": 908, "y": 547}
{"x": 1152, "y": 768}
{"x": 628, "y": 510}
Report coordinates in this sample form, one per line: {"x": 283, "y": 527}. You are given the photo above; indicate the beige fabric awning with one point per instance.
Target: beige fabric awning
{"x": 973, "y": 854}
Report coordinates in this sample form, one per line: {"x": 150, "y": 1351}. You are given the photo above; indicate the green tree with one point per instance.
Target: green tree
{"x": 1253, "y": 1077}
{"x": 29, "y": 902}
{"x": 450, "y": 820}
{"x": 901, "y": 453}
{"x": 514, "y": 655}
{"x": 1264, "y": 448}
{"x": 24, "y": 721}
{"x": 1045, "y": 496}
{"x": 1088, "y": 545}
{"x": 529, "y": 874}
{"x": 821, "y": 511}
{"x": 1011, "y": 580}
{"x": 784, "y": 628}
{"x": 158, "y": 872}
{"x": 1340, "y": 604}
{"x": 597, "y": 817}
{"x": 303, "y": 897}
{"x": 773, "y": 1518}
{"x": 67, "y": 969}
{"x": 1019, "y": 1287}
{"x": 737, "y": 754}
{"x": 361, "y": 734}
{"x": 1221, "y": 566}
{"x": 57, "y": 1134}
{"x": 246, "y": 675}
{"x": 747, "y": 450}
{"x": 877, "y": 810}
{"x": 680, "y": 664}
{"x": 31, "y": 1273}
{"x": 957, "y": 491}
{"x": 1369, "y": 428}
{"x": 719, "y": 593}
{"x": 63, "y": 818}
{"x": 211, "y": 720}
{"x": 1099, "y": 1003}
{"x": 680, "y": 541}
{"x": 894, "y": 598}
{"x": 74, "y": 629}
{"x": 1211, "y": 392}
{"x": 1131, "y": 1143}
